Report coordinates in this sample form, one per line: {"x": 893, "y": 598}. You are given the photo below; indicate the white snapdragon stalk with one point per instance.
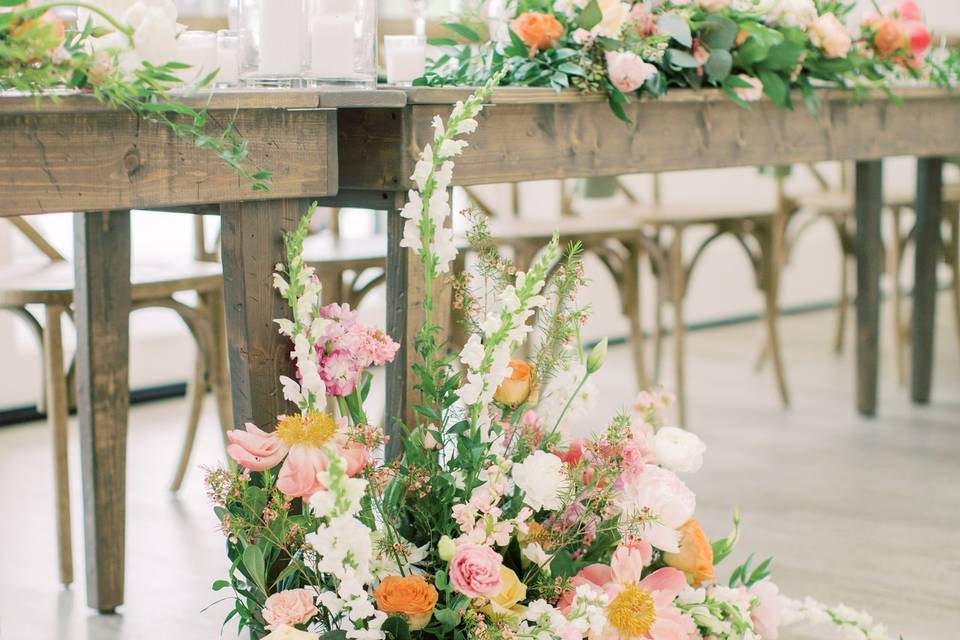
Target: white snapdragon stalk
{"x": 486, "y": 357}
{"x": 298, "y": 284}
{"x": 344, "y": 550}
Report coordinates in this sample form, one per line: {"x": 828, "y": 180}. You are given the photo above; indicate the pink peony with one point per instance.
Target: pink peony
{"x": 627, "y": 71}
{"x": 290, "y": 607}
{"x": 475, "y": 571}
{"x": 766, "y": 615}
{"x": 299, "y": 443}
{"x": 664, "y": 502}
{"x": 629, "y": 561}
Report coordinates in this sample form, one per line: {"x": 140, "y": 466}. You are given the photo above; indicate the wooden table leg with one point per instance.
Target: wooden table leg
{"x": 929, "y": 204}
{"x": 102, "y": 299}
{"x": 251, "y": 245}
{"x": 869, "y": 202}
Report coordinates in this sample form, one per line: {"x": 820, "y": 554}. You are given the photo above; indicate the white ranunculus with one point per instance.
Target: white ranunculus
{"x": 541, "y": 479}
{"x": 678, "y": 449}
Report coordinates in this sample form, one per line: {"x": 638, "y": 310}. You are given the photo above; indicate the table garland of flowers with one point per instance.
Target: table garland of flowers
{"x": 747, "y": 48}
{"x": 124, "y": 58}
{"x": 491, "y": 522}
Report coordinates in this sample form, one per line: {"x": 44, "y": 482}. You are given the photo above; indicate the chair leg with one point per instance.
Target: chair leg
{"x": 896, "y": 298}
{"x": 770, "y": 241}
{"x": 843, "y": 303}
{"x": 954, "y": 259}
{"x": 56, "y": 394}
{"x": 196, "y": 390}
{"x": 658, "y": 326}
{"x": 631, "y": 300}
{"x": 677, "y": 281}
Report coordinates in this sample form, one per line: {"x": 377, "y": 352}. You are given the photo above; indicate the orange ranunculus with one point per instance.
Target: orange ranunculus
{"x": 695, "y": 558}
{"x": 890, "y": 37}
{"x": 539, "y": 31}
{"x": 519, "y": 387}
{"x": 411, "y": 596}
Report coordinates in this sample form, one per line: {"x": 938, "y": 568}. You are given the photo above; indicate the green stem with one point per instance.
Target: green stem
{"x": 567, "y": 405}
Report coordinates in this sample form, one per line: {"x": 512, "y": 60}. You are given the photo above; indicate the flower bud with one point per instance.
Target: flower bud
{"x": 597, "y": 355}
{"x": 446, "y": 548}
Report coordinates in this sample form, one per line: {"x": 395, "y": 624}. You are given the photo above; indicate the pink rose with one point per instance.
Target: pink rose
{"x": 908, "y": 10}
{"x": 290, "y": 607}
{"x": 766, "y": 615}
{"x": 475, "y": 570}
{"x": 828, "y": 33}
{"x": 752, "y": 93}
{"x": 627, "y": 71}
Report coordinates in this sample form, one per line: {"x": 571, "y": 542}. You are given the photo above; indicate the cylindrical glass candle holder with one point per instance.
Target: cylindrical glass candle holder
{"x": 405, "y": 58}
{"x": 229, "y": 52}
{"x": 275, "y": 37}
{"x": 343, "y": 42}
{"x": 199, "y": 50}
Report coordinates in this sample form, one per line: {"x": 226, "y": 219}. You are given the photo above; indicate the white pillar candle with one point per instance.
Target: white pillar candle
{"x": 405, "y": 57}
{"x": 332, "y": 38}
{"x": 229, "y": 62}
{"x": 281, "y": 37}
{"x": 199, "y": 50}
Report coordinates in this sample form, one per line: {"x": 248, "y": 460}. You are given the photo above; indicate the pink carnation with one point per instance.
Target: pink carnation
{"x": 347, "y": 347}
{"x": 475, "y": 571}
{"x": 290, "y": 607}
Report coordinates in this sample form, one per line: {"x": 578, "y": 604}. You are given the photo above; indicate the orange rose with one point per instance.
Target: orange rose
{"x": 411, "y": 596}
{"x": 538, "y": 31}
{"x": 890, "y": 36}
{"x": 519, "y": 387}
{"x": 695, "y": 558}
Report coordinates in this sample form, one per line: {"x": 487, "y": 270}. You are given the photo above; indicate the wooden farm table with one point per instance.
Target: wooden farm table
{"x": 534, "y": 134}
{"x": 77, "y": 155}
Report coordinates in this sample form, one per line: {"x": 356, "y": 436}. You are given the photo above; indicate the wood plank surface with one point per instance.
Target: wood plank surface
{"x": 102, "y": 263}
{"x": 926, "y": 259}
{"x": 520, "y": 141}
{"x": 90, "y": 161}
{"x": 252, "y": 243}
{"x": 869, "y": 202}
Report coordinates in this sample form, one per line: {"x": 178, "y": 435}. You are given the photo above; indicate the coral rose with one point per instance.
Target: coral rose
{"x": 695, "y": 557}
{"x": 539, "y": 31}
{"x": 890, "y": 36}
{"x": 411, "y": 596}
{"x": 290, "y": 607}
{"x": 475, "y": 571}
{"x": 517, "y": 388}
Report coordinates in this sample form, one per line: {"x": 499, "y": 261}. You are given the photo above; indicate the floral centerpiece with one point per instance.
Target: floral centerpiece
{"x": 747, "y": 48}
{"x": 490, "y": 521}
{"x": 123, "y": 53}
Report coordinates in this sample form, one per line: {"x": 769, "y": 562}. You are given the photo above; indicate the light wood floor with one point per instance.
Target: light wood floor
{"x": 861, "y": 511}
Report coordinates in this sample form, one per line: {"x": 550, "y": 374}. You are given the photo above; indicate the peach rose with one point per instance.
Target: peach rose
{"x": 539, "y": 31}
{"x": 475, "y": 571}
{"x": 517, "y": 388}
{"x": 828, "y": 33}
{"x": 290, "y": 607}
{"x": 411, "y": 596}
{"x": 695, "y": 557}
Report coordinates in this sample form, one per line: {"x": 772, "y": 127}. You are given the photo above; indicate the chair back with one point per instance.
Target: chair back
{"x": 33, "y": 236}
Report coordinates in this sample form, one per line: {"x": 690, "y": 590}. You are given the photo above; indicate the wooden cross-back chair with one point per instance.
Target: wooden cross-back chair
{"x": 49, "y": 284}
{"x": 834, "y": 201}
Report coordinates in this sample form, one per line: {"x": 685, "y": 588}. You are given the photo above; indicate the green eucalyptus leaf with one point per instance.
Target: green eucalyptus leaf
{"x": 591, "y": 15}
{"x": 682, "y": 59}
{"x": 572, "y": 69}
{"x": 784, "y": 56}
{"x": 677, "y": 27}
{"x": 397, "y": 627}
{"x": 255, "y": 566}
{"x": 718, "y": 65}
{"x": 775, "y": 87}
{"x": 719, "y": 32}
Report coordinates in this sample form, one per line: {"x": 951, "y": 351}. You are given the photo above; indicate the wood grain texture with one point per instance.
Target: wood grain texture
{"x": 867, "y": 208}
{"x": 102, "y": 263}
{"x": 55, "y": 390}
{"x": 90, "y": 161}
{"x": 519, "y": 141}
{"x": 252, "y": 243}
{"x": 926, "y": 259}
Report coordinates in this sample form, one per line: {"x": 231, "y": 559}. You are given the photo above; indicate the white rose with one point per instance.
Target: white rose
{"x": 794, "y": 13}
{"x": 283, "y": 632}
{"x": 678, "y": 449}
{"x": 541, "y": 478}
{"x": 714, "y": 5}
